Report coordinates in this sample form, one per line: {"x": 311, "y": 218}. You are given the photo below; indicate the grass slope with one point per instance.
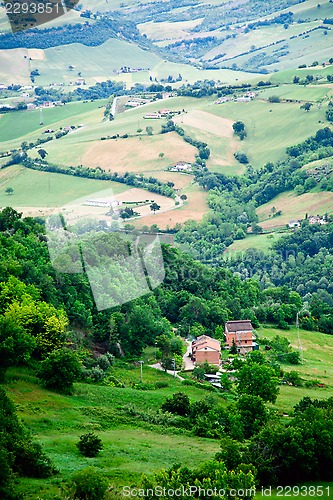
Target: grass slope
{"x": 271, "y": 128}
{"x": 43, "y": 189}
{"x": 262, "y": 242}
{"x": 317, "y": 350}
{"x": 129, "y": 449}
{"x": 25, "y": 125}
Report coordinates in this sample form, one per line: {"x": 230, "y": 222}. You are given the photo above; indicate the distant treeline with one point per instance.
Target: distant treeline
{"x": 87, "y": 33}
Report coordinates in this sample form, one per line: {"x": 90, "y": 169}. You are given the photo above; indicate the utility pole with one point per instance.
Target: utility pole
{"x": 41, "y": 119}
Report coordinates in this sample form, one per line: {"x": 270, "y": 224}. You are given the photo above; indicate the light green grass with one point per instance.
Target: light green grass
{"x": 287, "y": 76}
{"x": 25, "y": 125}
{"x": 95, "y": 63}
{"x": 43, "y": 189}
{"x": 317, "y": 351}
{"x": 311, "y": 93}
{"x": 257, "y": 38}
{"x": 129, "y": 449}
{"x": 262, "y": 242}
{"x": 271, "y": 128}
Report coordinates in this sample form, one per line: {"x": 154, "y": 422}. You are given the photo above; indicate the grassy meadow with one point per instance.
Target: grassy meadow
{"x": 262, "y": 242}
{"x": 130, "y": 449}
{"x": 25, "y": 125}
{"x": 316, "y": 353}
{"x": 271, "y": 127}
{"x": 44, "y": 189}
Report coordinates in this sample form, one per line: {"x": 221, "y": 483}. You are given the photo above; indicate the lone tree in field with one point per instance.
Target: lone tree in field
{"x": 183, "y": 197}
{"x": 306, "y": 106}
{"x": 238, "y": 127}
{"x": 42, "y": 153}
{"x": 161, "y": 155}
{"x": 154, "y": 207}
{"x": 89, "y": 445}
{"x": 9, "y": 190}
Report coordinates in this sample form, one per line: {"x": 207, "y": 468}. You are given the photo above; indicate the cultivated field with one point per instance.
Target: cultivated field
{"x": 206, "y": 122}
{"x": 138, "y": 154}
{"x": 166, "y": 30}
{"x": 194, "y": 208}
{"x": 294, "y": 207}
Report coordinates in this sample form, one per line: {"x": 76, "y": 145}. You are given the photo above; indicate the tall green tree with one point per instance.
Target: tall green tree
{"x": 258, "y": 380}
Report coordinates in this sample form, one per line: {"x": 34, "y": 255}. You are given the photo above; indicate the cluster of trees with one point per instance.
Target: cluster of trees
{"x": 329, "y": 112}
{"x": 233, "y": 200}
{"x": 275, "y": 452}
{"x": 239, "y": 129}
{"x": 194, "y": 47}
{"x": 297, "y": 452}
{"x": 85, "y": 33}
{"x": 321, "y": 143}
{"x": 38, "y": 303}
{"x": 302, "y": 261}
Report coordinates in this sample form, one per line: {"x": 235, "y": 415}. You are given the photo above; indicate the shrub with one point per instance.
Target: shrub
{"x": 31, "y": 461}
{"x": 103, "y": 362}
{"x": 188, "y": 382}
{"x": 112, "y": 381}
{"x": 88, "y": 484}
{"x": 60, "y": 370}
{"x": 160, "y": 384}
{"x": 89, "y": 445}
{"x": 144, "y": 386}
{"x": 241, "y": 157}
{"x": 179, "y": 404}
{"x": 274, "y": 98}
{"x": 96, "y": 374}
{"x": 293, "y": 378}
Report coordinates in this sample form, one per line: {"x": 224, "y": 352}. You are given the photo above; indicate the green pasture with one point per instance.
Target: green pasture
{"x": 19, "y": 126}
{"x": 311, "y": 93}
{"x": 271, "y": 128}
{"x": 130, "y": 448}
{"x": 289, "y": 53}
{"x": 95, "y": 63}
{"x": 255, "y": 39}
{"x": 316, "y": 353}
{"x": 286, "y": 76}
{"x": 44, "y": 189}
{"x": 261, "y": 242}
